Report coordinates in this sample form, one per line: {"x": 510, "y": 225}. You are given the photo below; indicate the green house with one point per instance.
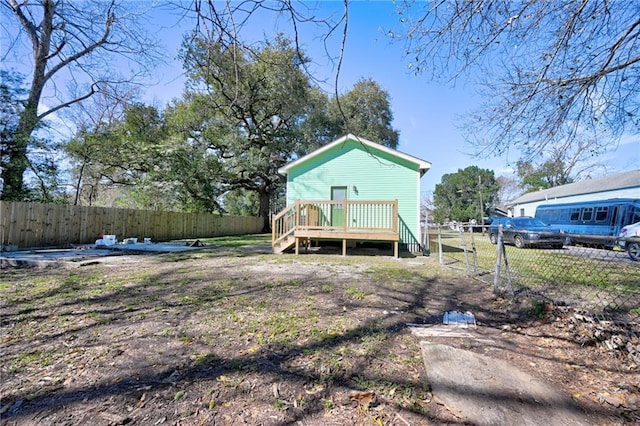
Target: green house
{"x": 351, "y": 190}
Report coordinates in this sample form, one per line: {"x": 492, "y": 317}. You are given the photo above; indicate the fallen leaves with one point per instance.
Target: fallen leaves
{"x": 141, "y": 356}
{"x": 363, "y": 399}
{"x": 314, "y": 389}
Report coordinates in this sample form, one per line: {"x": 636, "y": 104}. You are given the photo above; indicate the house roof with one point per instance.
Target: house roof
{"x": 608, "y": 183}
{"x": 422, "y": 164}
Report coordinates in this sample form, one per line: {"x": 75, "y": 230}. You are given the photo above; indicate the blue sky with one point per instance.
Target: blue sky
{"x": 427, "y": 114}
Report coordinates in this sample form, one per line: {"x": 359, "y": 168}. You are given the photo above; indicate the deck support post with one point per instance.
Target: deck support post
{"x": 373, "y": 220}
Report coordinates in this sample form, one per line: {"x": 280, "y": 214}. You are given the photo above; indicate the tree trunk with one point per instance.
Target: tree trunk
{"x": 13, "y": 174}
{"x": 263, "y": 212}
{"x": 13, "y": 171}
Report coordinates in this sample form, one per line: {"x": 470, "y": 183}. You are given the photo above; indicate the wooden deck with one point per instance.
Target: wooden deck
{"x": 306, "y": 221}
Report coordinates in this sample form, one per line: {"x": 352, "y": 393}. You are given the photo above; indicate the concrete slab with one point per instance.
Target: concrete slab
{"x": 485, "y": 335}
{"x": 486, "y": 391}
{"x": 157, "y": 247}
{"x": 51, "y": 257}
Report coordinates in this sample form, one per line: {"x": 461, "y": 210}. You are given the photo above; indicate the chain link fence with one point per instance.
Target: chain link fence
{"x": 603, "y": 282}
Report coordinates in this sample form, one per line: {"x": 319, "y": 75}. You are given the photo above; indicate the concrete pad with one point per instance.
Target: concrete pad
{"x": 487, "y": 391}
{"x": 156, "y": 247}
{"x": 53, "y": 257}
{"x": 481, "y": 335}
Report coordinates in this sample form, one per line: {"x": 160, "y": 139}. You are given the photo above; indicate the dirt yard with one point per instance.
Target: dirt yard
{"x": 234, "y": 336}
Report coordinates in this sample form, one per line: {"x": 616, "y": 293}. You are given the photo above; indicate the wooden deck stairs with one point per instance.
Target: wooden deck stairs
{"x": 342, "y": 220}
{"x": 284, "y": 244}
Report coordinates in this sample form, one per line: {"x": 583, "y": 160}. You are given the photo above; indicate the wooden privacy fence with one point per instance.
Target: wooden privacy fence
{"x": 46, "y": 225}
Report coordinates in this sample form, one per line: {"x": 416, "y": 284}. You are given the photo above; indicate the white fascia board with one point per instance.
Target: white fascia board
{"x": 422, "y": 164}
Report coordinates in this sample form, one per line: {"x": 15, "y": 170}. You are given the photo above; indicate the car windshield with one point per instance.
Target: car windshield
{"x": 528, "y": 222}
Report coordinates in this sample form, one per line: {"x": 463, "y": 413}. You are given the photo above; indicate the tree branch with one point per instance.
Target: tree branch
{"x": 87, "y": 95}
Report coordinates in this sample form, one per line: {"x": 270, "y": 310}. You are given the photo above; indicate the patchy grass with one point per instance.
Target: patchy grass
{"x": 302, "y": 321}
{"x": 211, "y": 338}
{"x": 573, "y": 271}
{"x": 236, "y": 240}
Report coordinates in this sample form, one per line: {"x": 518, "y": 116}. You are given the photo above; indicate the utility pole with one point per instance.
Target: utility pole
{"x": 481, "y": 203}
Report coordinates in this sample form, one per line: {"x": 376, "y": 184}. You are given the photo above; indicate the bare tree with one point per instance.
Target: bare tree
{"x": 566, "y": 162}
{"x": 426, "y": 206}
{"x": 90, "y": 116}
{"x": 550, "y": 70}
{"x": 75, "y": 50}
{"x": 226, "y": 23}
{"x": 508, "y": 189}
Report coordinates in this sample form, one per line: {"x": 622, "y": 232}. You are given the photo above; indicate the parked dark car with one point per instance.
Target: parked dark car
{"x": 493, "y": 227}
{"x": 526, "y": 231}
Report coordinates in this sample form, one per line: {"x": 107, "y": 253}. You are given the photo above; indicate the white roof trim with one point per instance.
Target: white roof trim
{"x": 621, "y": 181}
{"x": 422, "y": 164}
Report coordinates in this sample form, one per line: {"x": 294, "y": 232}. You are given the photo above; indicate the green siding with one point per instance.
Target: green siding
{"x": 368, "y": 174}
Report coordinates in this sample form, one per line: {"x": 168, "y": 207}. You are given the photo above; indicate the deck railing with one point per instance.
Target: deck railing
{"x": 284, "y": 224}
{"x": 342, "y": 215}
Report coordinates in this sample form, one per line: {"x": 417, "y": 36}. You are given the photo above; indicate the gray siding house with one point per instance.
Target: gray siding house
{"x": 623, "y": 185}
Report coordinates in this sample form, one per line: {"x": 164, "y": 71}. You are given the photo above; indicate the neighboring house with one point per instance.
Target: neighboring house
{"x": 352, "y": 190}
{"x": 623, "y": 185}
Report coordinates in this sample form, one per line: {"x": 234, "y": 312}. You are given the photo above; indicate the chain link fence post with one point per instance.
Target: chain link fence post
{"x": 474, "y": 251}
{"x": 600, "y": 277}
{"x": 440, "y": 254}
{"x": 501, "y": 255}
{"x": 463, "y": 244}
{"x": 496, "y": 275}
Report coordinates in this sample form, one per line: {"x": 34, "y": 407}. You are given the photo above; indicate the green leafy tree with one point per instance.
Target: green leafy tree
{"x": 243, "y": 112}
{"x": 241, "y": 202}
{"x": 86, "y": 151}
{"x": 91, "y": 118}
{"x": 141, "y": 150}
{"x": 563, "y": 163}
{"x": 465, "y": 195}
{"x": 43, "y": 181}
{"x": 547, "y": 175}
{"x": 318, "y": 127}
{"x": 12, "y": 100}
{"x": 126, "y": 152}
{"x": 38, "y": 160}
{"x": 194, "y": 162}
{"x": 364, "y": 111}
